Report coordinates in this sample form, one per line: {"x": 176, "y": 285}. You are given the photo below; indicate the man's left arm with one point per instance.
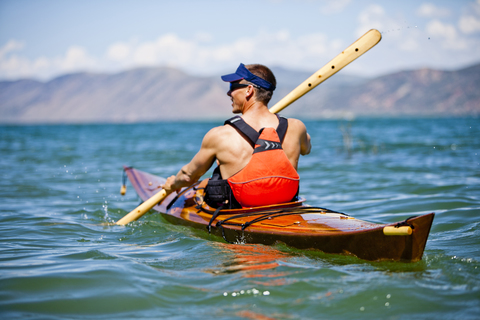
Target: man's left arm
{"x": 305, "y": 144}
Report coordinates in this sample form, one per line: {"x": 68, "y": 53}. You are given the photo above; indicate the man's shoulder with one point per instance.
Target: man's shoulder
{"x": 225, "y": 129}
{"x": 219, "y": 133}
{"x": 296, "y": 124}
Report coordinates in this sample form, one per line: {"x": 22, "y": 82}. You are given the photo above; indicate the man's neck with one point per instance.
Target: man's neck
{"x": 256, "y": 109}
{"x": 257, "y": 115}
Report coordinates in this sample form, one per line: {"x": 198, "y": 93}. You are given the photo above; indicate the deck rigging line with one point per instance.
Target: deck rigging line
{"x": 262, "y": 215}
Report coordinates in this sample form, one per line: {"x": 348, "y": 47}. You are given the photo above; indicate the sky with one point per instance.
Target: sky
{"x": 43, "y": 39}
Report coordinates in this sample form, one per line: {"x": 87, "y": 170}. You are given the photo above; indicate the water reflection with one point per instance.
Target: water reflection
{"x": 253, "y": 261}
{"x": 247, "y": 314}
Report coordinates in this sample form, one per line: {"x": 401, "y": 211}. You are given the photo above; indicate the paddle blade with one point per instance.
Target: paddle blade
{"x": 143, "y": 208}
{"x": 359, "y": 47}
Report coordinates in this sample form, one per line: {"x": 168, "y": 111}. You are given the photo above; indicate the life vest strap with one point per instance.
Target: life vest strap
{"x": 250, "y": 134}
{"x": 282, "y": 128}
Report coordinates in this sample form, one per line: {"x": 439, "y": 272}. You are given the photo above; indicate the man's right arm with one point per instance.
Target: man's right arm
{"x": 201, "y": 162}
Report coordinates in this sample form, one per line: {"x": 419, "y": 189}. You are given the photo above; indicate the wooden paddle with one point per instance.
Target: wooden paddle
{"x": 359, "y": 47}
{"x": 143, "y": 208}
{"x": 355, "y": 50}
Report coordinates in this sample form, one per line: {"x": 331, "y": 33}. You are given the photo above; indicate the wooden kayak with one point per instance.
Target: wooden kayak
{"x": 295, "y": 224}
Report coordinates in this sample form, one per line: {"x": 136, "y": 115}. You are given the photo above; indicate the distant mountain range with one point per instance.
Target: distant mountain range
{"x": 156, "y": 94}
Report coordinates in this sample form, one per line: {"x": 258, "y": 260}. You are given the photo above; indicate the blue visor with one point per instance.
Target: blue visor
{"x": 243, "y": 73}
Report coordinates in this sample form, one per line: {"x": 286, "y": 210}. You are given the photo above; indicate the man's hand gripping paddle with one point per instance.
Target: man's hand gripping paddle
{"x": 359, "y": 47}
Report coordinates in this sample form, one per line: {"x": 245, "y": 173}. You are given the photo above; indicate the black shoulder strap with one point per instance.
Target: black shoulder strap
{"x": 251, "y": 134}
{"x": 282, "y": 127}
{"x": 248, "y": 132}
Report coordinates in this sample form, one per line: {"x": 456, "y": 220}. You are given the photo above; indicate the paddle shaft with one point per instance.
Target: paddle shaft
{"x": 143, "y": 208}
{"x": 355, "y": 50}
{"x": 359, "y": 47}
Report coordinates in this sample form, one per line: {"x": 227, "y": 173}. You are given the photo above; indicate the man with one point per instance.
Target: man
{"x": 251, "y": 88}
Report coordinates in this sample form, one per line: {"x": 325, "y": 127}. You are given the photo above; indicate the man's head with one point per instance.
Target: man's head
{"x": 259, "y": 76}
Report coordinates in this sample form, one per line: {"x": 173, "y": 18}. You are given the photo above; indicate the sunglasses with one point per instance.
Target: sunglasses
{"x": 236, "y": 85}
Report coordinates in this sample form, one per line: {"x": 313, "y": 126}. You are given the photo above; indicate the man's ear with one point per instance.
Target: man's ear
{"x": 249, "y": 92}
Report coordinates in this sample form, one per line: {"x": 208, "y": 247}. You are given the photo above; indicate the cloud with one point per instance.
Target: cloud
{"x": 436, "y": 42}
{"x": 429, "y": 10}
{"x": 118, "y": 51}
{"x": 76, "y": 58}
{"x": 200, "y": 56}
{"x": 14, "y": 65}
{"x": 375, "y": 17}
{"x": 447, "y": 35}
{"x": 440, "y": 29}
{"x": 11, "y": 45}
{"x": 372, "y": 17}
{"x": 469, "y": 24}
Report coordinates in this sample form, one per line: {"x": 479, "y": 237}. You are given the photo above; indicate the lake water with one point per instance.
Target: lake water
{"x": 61, "y": 257}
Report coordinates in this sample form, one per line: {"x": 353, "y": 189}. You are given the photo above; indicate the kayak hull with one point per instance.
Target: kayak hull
{"x": 295, "y": 224}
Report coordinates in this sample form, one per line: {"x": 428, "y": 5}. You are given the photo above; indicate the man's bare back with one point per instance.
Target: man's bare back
{"x": 233, "y": 152}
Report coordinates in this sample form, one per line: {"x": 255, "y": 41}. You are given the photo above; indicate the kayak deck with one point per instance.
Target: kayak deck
{"x": 295, "y": 224}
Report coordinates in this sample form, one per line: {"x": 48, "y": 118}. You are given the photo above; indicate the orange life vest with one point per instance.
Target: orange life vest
{"x": 269, "y": 177}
